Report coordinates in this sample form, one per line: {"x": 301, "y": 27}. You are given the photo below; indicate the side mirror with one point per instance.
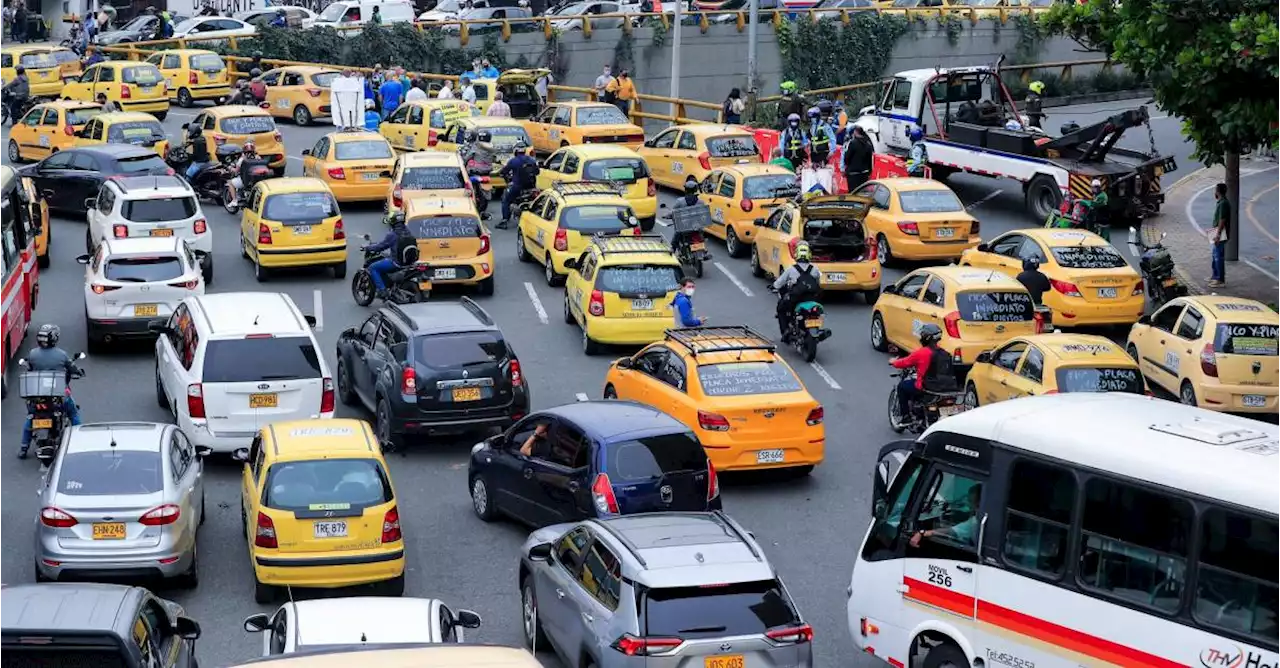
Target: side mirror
{"x": 892, "y": 457}
{"x": 540, "y": 552}
{"x": 82, "y": 133}
{"x": 187, "y": 628}
{"x": 983, "y": 357}
{"x": 984, "y": 248}
{"x": 649, "y": 143}
{"x": 366, "y": 237}
{"x": 890, "y": 290}
{"x": 571, "y": 264}
{"x": 307, "y": 151}
{"x": 186, "y": 126}
{"x": 82, "y": 259}
{"x": 350, "y": 331}
{"x": 1144, "y": 319}
{"x": 240, "y": 455}
{"x": 384, "y": 174}
{"x": 159, "y": 328}
{"x": 624, "y": 363}
{"x": 467, "y": 619}
{"x": 91, "y": 203}
{"x": 80, "y": 356}
{"x": 203, "y": 451}
{"x": 257, "y": 623}
{"x": 311, "y": 320}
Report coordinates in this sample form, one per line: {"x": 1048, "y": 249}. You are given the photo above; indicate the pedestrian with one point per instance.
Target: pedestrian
{"x": 446, "y": 91}
{"x": 370, "y": 93}
{"x": 376, "y": 18}
{"x": 1221, "y": 232}
{"x": 778, "y": 159}
{"x": 733, "y": 107}
{"x": 391, "y": 93}
{"x": 371, "y": 117}
{"x": 858, "y": 154}
{"x": 405, "y": 81}
{"x": 624, "y": 91}
{"x": 417, "y": 91}
{"x": 1035, "y": 103}
{"x": 468, "y": 90}
{"x": 476, "y": 68}
{"x": 377, "y": 76}
{"x": 602, "y": 83}
{"x": 106, "y": 18}
{"x": 499, "y": 108}
{"x": 20, "y": 22}
{"x": 90, "y": 28}
{"x": 682, "y": 306}
{"x": 92, "y": 56}
{"x": 541, "y": 85}
{"x": 487, "y": 70}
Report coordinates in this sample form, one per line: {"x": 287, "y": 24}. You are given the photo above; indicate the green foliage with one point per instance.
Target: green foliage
{"x": 659, "y": 33}
{"x": 829, "y": 53}
{"x": 1031, "y": 36}
{"x": 554, "y": 58}
{"x": 623, "y": 53}
{"x": 1104, "y": 80}
{"x": 953, "y": 26}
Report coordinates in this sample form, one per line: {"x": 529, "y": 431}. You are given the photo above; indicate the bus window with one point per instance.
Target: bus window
{"x": 1039, "y": 517}
{"x": 1236, "y": 580}
{"x": 880, "y": 544}
{"x": 949, "y": 518}
{"x": 9, "y": 239}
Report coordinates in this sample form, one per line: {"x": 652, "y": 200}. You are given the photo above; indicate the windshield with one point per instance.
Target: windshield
{"x": 324, "y": 79}
{"x": 444, "y": 227}
{"x": 432, "y": 178}
{"x": 733, "y": 146}
{"x": 299, "y": 207}
{"x": 247, "y": 125}
{"x": 158, "y": 210}
{"x": 110, "y": 473}
{"x": 603, "y": 115}
{"x": 137, "y": 24}
{"x": 333, "y": 13}
{"x": 145, "y": 75}
{"x": 570, "y": 10}
{"x": 655, "y": 456}
{"x": 595, "y": 218}
{"x": 362, "y": 150}
{"x": 930, "y": 201}
{"x": 142, "y": 164}
{"x": 1098, "y": 379}
{"x": 143, "y": 269}
{"x": 975, "y": 306}
{"x": 135, "y": 132}
{"x": 457, "y": 351}
{"x": 1246, "y": 340}
{"x": 770, "y": 187}
{"x": 504, "y": 137}
{"x": 326, "y": 484}
{"x": 186, "y": 25}
{"x": 638, "y": 279}
{"x": 1087, "y": 257}
{"x": 734, "y": 379}
{"x": 78, "y": 117}
{"x": 207, "y": 62}
{"x": 258, "y": 360}
{"x": 626, "y": 170}
{"x": 451, "y": 6}
{"x": 38, "y": 61}
{"x": 741, "y": 609}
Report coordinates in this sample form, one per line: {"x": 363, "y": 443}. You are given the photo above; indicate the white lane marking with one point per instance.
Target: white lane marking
{"x": 825, "y": 376}
{"x": 582, "y": 396}
{"x": 724, "y": 270}
{"x": 294, "y": 157}
{"x": 1204, "y": 232}
{"x": 664, "y": 223}
{"x": 537, "y": 303}
{"x": 983, "y": 200}
{"x": 318, "y": 298}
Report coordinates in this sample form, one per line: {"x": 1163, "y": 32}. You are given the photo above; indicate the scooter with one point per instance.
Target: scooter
{"x": 806, "y": 328}
{"x": 1156, "y": 265}
{"x": 210, "y": 183}
{"x": 44, "y": 393}
{"x": 688, "y": 243}
{"x": 405, "y": 285}
{"x": 481, "y": 187}
{"x": 232, "y": 198}
{"x": 926, "y": 409}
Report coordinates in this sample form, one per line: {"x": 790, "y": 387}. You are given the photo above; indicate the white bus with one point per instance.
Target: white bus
{"x": 1074, "y": 530}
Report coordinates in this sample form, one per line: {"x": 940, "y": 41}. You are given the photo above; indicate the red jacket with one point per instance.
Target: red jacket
{"x": 919, "y": 359}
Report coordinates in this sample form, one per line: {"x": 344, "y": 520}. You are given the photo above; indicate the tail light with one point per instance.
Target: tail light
{"x": 219, "y": 140}
{"x": 57, "y": 518}
{"x": 397, "y": 197}
{"x": 952, "y": 323}
{"x": 277, "y": 136}
{"x": 201, "y": 226}
{"x": 195, "y": 401}
{"x": 704, "y": 159}
{"x": 713, "y": 482}
{"x": 975, "y": 228}
{"x": 190, "y": 285}
{"x": 192, "y": 78}
{"x": 791, "y": 247}
{"x": 1050, "y": 392}
{"x": 1209, "y": 361}
{"x": 264, "y": 105}
{"x": 69, "y": 131}
{"x": 1065, "y": 288}
{"x": 166, "y": 514}
{"x": 815, "y": 417}
{"x": 562, "y": 240}
{"x": 484, "y": 244}
{"x": 408, "y": 381}
{"x": 264, "y": 233}
{"x": 634, "y": 646}
{"x": 337, "y": 173}
{"x": 596, "y": 307}
{"x": 339, "y": 232}
{"x": 119, "y": 231}
{"x": 391, "y": 526}
{"x": 652, "y": 190}
{"x": 517, "y": 378}
{"x": 1138, "y": 289}
{"x": 746, "y": 205}
{"x": 909, "y": 227}
{"x": 712, "y": 421}
{"x": 326, "y": 396}
{"x": 602, "y": 495}
{"x": 873, "y": 249}
{"x": 313, "y": 92}
{"x": 696, "y": 238}
{"x": 99, "y": 288}
{"x": 432, "y": 138}
{"x": 793, "y": 635}
{"x": 265, "y": 535}
{"x": 126, "y": 93}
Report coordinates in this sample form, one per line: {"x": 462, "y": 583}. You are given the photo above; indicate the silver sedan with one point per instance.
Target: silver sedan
{"x": 123, "y": 499}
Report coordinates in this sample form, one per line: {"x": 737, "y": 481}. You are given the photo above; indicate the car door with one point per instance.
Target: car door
{"x": 932, "y": 306}
{"x": 50, "y": 129}
{"x": 768, "y": 240}
{"x": 638, "y": 381}
{"x": 26, "y": 134}
{"x": 900, "y": 309}
{"x": 251, "y": 480}
{"x": 577, "y": 286}
{"x": 358, "y": 362}
{"x": 105, "y": 84}
{"x": 599, "y": 587}
{"x": 554, "y": 586}
{"x": 1154, "y": 346}
{"x": 379, "y": 356}
{"x": 657, "y": 153}
{"x": 170, "y": 66}
{"x": 533, "y": 225}
{"x": 54, "y": 170}
{"x": 82, "y": 88}
{"x": 393, "y": 127}
{"x": 669, "y": 393}
{"x": 561, "y": 471}
{"x": 896, "y": 115}
{"x": 683, "y": 156}
{"x": 516, "y": 487}
{"x": 559, "y": 134}
{"x": 1029, "y": 381}
{"x": 720, "y": 197}
{"x": 84, "y": 178}
{"x": 183, "y": 483}
{"x": 313, "y": 159}
{"x": 277, "y": 97}
{"x": 1000, "y": 372}
{"x": 1182, "y": 347}
{"x": 1003, "y": 255}
{"x": 551, "y": 169}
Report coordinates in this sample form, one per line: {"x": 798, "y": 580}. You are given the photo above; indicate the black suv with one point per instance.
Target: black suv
{"x": 431, "y": 368}
{"x": 74, "y": 624}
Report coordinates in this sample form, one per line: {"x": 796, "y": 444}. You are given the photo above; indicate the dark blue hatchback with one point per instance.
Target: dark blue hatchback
{"x": 591, "y": 459}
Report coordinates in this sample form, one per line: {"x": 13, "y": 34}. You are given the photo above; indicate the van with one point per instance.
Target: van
{"x": 350, "y": 13}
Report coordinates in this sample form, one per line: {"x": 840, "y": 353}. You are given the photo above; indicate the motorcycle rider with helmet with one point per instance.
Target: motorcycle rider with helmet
{"x": 47, "y": 356}
{"x": 932, "y": 365}
{"x": 918, "y": 160}
{"x": 799, "y": 282}
{"x": 248, "y": 159}
{"x": 794, "y": 141}
{"x": 403, "y": 249}
{"x": 1034, "y": 280}
{"x": 19, "y": 91}
{"x": 198, "y": 149}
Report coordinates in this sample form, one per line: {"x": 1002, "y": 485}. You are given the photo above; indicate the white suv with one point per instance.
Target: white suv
{"x": 150, "y": 206}
{"x": 229, "y": 364}
{"x": 131, "y": 283}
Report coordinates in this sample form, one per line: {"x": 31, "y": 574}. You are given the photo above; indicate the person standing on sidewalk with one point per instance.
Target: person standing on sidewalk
{"x": 1221, "y": 231}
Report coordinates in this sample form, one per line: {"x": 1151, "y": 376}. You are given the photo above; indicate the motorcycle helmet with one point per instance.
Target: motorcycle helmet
{"x": 471, "y": 135}
{"x": 803, "y": 254}
{"x": 248, "y": 147}
{"x": 1030, "y": 264}
{"x": 915, "y": 134}
{"x": 280, "y": 11}
{"x": 1096, "y": 185}
{"x": 48, "y": 335}
{"x": 1037, "y": 87}
{"x": 825, "y": 107}
{"x": 813, "y": 113}
{"x": 793, "y": 119}
{"x": 195, "y": 132}
{"x": 484, "y": 136}
{"x": 394, "y": 219}
{"x": 690, "y": 186}
{"x": 788, "y": 87}
{"x": 20, "y": 70}
{"x": 1069, "y": 127}
{"x": 255, "y": 72}
{"x": 930, "y": 334}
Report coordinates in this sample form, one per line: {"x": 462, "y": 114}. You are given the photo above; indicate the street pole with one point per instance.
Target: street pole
{"x": 1232, "y": 164}
{"x": 753, "y": 36}
{"x": 675, "y": 55}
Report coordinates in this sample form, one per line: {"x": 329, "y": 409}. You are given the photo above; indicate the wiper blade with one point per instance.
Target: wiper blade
{"x": 130, "y": 279}
{"x": 703, "y": 629}
{"x": 279, "y": 376}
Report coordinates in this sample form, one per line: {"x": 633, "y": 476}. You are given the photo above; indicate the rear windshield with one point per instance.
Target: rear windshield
{"x": 65, "y": 56}
{"x": 655, "y": 456}
{"x": 432, "y": 178}
{"x": 247, "y": 125}
{"x": 38, "y": 61}
{"x": 1246, "y": 340}
{"x": 601, "y": 116}
{"x": 595, "y": 218}
{"x": 733, "y": 146}
{"x": 62, "y": 657}
{"x": 1087, "y": 257}
{"x": 1099, "y": 379}
{"x": 616, "y": 169}
{"x": 734, "y": 379}
{"x": 142, "y": 164}
{"x": 299, "y": 207}
{"x": 455, "y": 351}
{"x": 145, "y": 75}
{"x": 506, "y": 136}
{"x": 207, "y": 62}
{"x": 82, "y": 116}
{"x": 110, "y": 472}
{"x": 324, "y": 79}
{"x": 746, "y": 608}
{"x": 771, "y": 186}
{"x": 327, "y": 484}
{"x": 135, "y": 132}
{"x": 143, "y": 269}
{"x": 930, "y": 201}
{"x": 362, "y": 150}
{"x": 638, "y": 279}
{"x": 977, "y": 306}
{"x": 257, "y": 360}
{"x": 159, "y": 210}
{"x": 444, "y": 227}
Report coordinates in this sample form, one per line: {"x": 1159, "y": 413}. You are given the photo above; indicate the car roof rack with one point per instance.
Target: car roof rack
{"x": 584, "y": 188}
{"x": 612, "y": 244}
{"x": 626, "y": 542}
{"x": 746, "y": 537}
{"x": 743, "y": 535}
{"x": 734, "y": 338}
{"x": 145, "y": 182}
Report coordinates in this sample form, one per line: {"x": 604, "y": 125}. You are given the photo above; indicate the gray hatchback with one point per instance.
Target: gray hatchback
{"x": 659, "y": 590}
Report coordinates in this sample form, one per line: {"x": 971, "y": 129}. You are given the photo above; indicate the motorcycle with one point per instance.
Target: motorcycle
{"x": 1156, "y": 265}
{"x": 805, "y": 329}
{"x": 405, "y": 285}
{"x": 232, "y": 197}
{"x": 13, "y": 110}
{"x": 926, "y": 408}
{"x": 481, "y": 187}
{"x": 44, "y": 393}
{"x": 688, "y": 243}
{"x": 210, "y": 183}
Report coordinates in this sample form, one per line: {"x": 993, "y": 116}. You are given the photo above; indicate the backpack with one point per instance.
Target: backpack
{"x": 528, "y": 173}
{"x": 807, "y": 284}
{"x": 406, "y": 250}
{"x": 941, "y": 376}
{"x": 611, "y": 96}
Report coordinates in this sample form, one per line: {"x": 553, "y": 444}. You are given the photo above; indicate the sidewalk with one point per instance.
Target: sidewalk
{"x": 1184, "y": 219}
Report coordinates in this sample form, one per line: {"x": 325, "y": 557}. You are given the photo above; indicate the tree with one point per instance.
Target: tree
{"x": 1211, "y": 63}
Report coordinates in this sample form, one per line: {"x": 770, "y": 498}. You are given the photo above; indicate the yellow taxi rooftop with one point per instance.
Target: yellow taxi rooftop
{"x": 435, "y": 205}
{"x": 1057, "y": 238}
{"x": 703, "y": 130}
{"x": 1073, "y": 347}
{"x": 125, "y": 117}
{"x": 236, "y": 110}
{"x": 592, "y": 151}
{"x": 292, "y": 184}
{"x": 489, "y": 121}
{"x": 66, "y": 105}
{"x": 911, "y": 184}
{"x": 308, "y": 69}
{"x": 725, "y": 344}
{"x": 624, "y": 249}
{"x": 749, "y": 167}
{"x": 306, "y": 439}
{"x": 970, "y": 277}
{"x": 354, "y": 134}
{"x": 429, "y": 159}
{"x": 585, "y": 189}
{"x": 1236, "y": 309}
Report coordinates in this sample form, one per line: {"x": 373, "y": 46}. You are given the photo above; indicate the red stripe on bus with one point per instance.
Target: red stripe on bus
{"x": 939, "y": 597}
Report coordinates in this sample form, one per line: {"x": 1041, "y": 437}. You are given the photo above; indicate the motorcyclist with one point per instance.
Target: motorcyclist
{"x": 794, "y": 141}
{"x": 923, "y": 360}
{"x": 800, "y": 281}
{"x": 1096, "y": 205}
{"x": 403, "y": 249}
{"x": 256, "y": 85}
{"x": 477, "y": 152}
{"x": 371, "y": 117}
{"x": 918, "y": 160}
{"x": 241, "y": 94}
{"x": 47, "y": 356}
{"x": 280, "y": 20}
{"x": 792, "y": 102}
{"x": 248, "y": 159}
{"x": 198, "y": 149}
{"x": 521, "y": 173}
{"x": 1034, "y": 103}
{"x": 18, "y": 92}
{"x": 1034, "y": 280}
{"x": 822, "y": 139}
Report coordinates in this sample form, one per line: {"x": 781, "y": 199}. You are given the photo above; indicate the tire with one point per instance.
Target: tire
{"x": 1133, "y": 352}
{"x": 1187, "y": 394}
{"x": 161, "y": 399}
{"x": 971, "y": 396}
{"x": 482, "y": 500}
{"x": 485, "y": 287}
{"x": 945, "y": 655}
{"x": 191, "y": 578}
{"x": 260, "y": 272}
{"x": 45, "y": 260}
{"x": 610, "y": 392}
{"x": 393, "y": 587}
{"x": 732, "y": 244}
{"x": 93, "y": 344}
{"x": 161, "y": 115}
{"x": 522, "y": 253}
{"x": 88, "y": 242}
{"x": 244, "y": 249}
{"x": 756, "y": 269}
{"x": 278, "y": 171}
{"x": 568, "y": 314}
{"x": 697, "y": 268}
{"x": 534, "y": 637}
{"x": 302, "y": 115}
{"x": 879, "y": 338}
{"x": 810, "y": 346}
{"x": 883, "y": 252}
{"x": 896, "y": 422}
{"x": 870, "y": 296}
{"x": 390, "y": 440}
{"x": 589, "y": 345}
{"x": 263, "y": 593}
{"x": 339, "y": 270}
{"x": 346, "y": 393}
{"x": 184, "y": 99}
{"x": 15, "y": 153}
{"x": 206, "y": 269}
{"x": 1042, "y": 196}
{"x": 229, "y": 206}
{"x": 549, "y": 272}
{"x": 362, "y": 288}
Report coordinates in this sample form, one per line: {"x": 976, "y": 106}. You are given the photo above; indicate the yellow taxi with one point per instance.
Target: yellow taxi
{"x": 235, "y": 124}
{"x": 976, "y": 309}
{"x": 1214, "y": 352}
{"x": 124, "y": 127}
{"x": 453, "y": 240}
{"x": 619, "y": 290}
{"x": 1091, "y": 282}
{"x": 193, "y": 74}
{"x": 419, "y": 124}
{"x": 38, "y": 213}
{"x": 731, "y": 387}
{"x": 426, "y": 173}
{"x": 518, "y": 91}
{"x": 504, "y": 134}
{"x": 562, "y": 124}
{"x": 69, "y": 64}
{"x": 356, "y": 164}
{"x": 556, "y": 227}
{"x": 129, "y": 86}
{"x": 1028, "y": 366}
{"x": 299, "y": 92}
{"x": 832, "y": 225}
{"x": 41, "y": 67}
{"x": 621, "y": 167}
{"x": 741, "y": 197}
{"x": 695, "y": 150}
{"x": 917, "y": 219}
{"x": 293, "y": 222}
{"x": 318, "y": 508}
{"x": 48, "y": 128}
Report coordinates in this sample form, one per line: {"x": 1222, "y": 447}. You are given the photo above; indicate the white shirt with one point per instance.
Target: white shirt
{"x": 415, "y": 93}
{"x": 445, "y": 93}
{"x": 469, "y": 94}
{"x": 602, "y": 82}
{"x": 541, "y": 85}
{"x": 499, "y": 108}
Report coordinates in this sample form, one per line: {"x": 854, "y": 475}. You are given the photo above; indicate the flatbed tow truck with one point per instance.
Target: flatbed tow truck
{"x": 964, "y": 113}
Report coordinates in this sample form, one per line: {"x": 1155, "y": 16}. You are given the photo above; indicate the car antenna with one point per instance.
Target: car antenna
{"x": 363, "y": 638}
{"x": 255, "y": 319}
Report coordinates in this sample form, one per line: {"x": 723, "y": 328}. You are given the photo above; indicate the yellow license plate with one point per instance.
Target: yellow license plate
{"x": 697, "y": 246}
{"x": 466, "y": 394}
{"x": 264, "y": 400}
{"x": 729, "y": 661}
{"x": 109, "y": 531}
{"x": 145, "y": 309}
{"x": 424, "y": 285}
{"x": 161, "y": 233}
{"x": 813, "y": 322}
{"x": 42, "y": 424}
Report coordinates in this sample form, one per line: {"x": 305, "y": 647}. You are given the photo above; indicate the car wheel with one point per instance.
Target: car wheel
{"x": 482, "y": 500}
{"x": 883, "y": 253}
{"x": 568, "y": 314}
{"x": 263, "y": 593}
{"x": 45, "y": 260}
{"x": 206, "y": 269}
{"x": 1187, "y": 394}
{"x": 522, "y": 253}
{"x": 1043, "y": 196}
{"x": 394, "y": 586}
{"x": 302, "y": 115}
{"x": 549, "y": 272}
{"x": 160, "y": 397}
{"x": 93, "y": 343}
{"x": 386, "y": 434}
{"x": 589, "y": 345}
{"x": 346, "y": 393}
{"x": 732, "y": 244}
{"x": 756, "y": 269}
{"x": 485, "y": 287}
{"x": 610, "y": 392}
{"x": 15, "y": 154}
{"x": 40, "y": 577}
{"x": 244, "y": 248}
{"x": 339, "y": 270}
{"x": 160, "y": 115}
{"x": 870, "y": 296}
{"x": 191, "y": 578}
{"x": 945, "y": 655}
{"x": 260, "y": 272}
{"x": 1133, "y": 352}
{"x": 184, "y": 98}
{"x": 879, "y": 340}
{"x": 534, "y": 636}
{"x": 971, "y": 396}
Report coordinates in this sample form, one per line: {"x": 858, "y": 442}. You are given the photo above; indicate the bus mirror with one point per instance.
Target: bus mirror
{"x": 892, "y": 457}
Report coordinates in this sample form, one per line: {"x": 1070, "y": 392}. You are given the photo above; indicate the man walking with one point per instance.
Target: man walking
{"x": 602, "y": 82}
{"x": 858, "y": 154}
{"x": 1221, "y": 232}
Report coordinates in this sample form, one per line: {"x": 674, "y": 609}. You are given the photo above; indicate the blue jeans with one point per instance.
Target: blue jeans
{"x": 906, "y": 392}
{"x": 377, "y": 269}
{"x": 194, "y": 168}
{"x": 68, "y": 407}
{"x": 508, "y": 196}
{"x": 1218, "y": 262}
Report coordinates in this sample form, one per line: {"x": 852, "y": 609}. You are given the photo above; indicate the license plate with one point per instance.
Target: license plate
{"x": 424, "y": 286}
{"x": 837, "y": 278}
{"x": 145, "y": 309}
{"x": 729, "y": 661}
{"x": 769, "y": 456}
{"x": 1169, "y": 282}
{"x": 641, "y": 304}
{"x": 370, "y": 176}
{"x": 466, "y": 394}
{"x": 161, "y": 233}
{"x": 1255, "y": 400}
{"x": 330, "y": 529}
{"x": 148, "y": 89}
{"x": 812, "y": 323}
{"x": 42, "y": 424}
{"x": 264, "y": 400}
{"x": 1107, "y": 293}
{"x": 945, "y": 411}
{"x": 302, "y": 229}
{"x": 697, "y": 246}
{"x": 445, "y": 274}
{"x": 944, "y": 232}
{"x": 108, "y": 531}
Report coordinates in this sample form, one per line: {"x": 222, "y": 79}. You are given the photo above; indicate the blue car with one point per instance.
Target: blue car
{"x": 591, "y": 459}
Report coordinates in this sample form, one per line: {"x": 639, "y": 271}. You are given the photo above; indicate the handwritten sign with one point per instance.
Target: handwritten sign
{"x": 740, "y": 146}
{"x": 135, "y": 132}
{"x": 444, "y": 227}
{"x": 636, "y": 280}
{"x": 602, "y": 115}
{"x": 432, "y": 178}
{"x": 691, "y": 218}
{"x": 975, "y": 306}
{"x": 247, "y": 125}
{"x": 1087, "y": 257}
{"x": 1086, "y": 379}
{"x": 743, "y": 378}
{"x": 1238, "y": 307}
{"x": 293, "y": 207}
{"x": 1088, "y": 348}
{"x": 1249, "y": 339}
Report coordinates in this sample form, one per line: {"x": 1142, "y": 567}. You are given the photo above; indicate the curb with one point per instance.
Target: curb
{"x": 1094, "y": 98}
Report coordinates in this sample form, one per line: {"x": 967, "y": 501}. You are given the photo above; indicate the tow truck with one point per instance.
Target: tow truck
{"x": 965, "y": 115}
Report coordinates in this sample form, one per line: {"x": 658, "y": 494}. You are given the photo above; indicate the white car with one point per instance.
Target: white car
{"x": 213, "y": 27}
{"x": 131, "y": 283}
{"x": 295, "y": 15}
{"x": 311, "y": 624}
{"x": 229, "y": 364}
{"x": 150, "y": 206}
